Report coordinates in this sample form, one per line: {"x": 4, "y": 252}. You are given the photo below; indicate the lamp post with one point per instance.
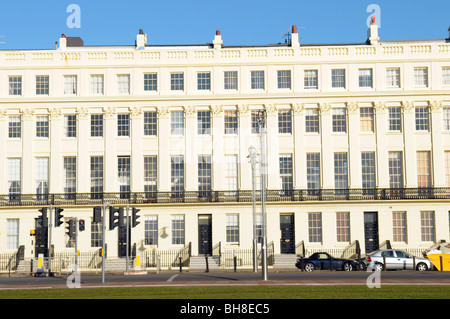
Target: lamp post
{"x": 262, "y": 136}
{"x": 253, "y": 161}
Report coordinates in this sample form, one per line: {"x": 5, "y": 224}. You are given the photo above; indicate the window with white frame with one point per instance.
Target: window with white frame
{"x": 339, "y": 120}
{"x": 177, "y": 173}
{"x": 123, "y": 84}
{"x": 313, "y": 172}
{"x": 151, "y": 230}
{"x": 446, "y": 75}
{"x": 366, "y": 119}
{"x": 312, "y": 120}
{"x": 285, "y": 121}
{"x": 178, "y": 230}
{"x": 12, "y": 233}
{"x": 230, "y": 80}
{"x": 231, "y": 174}
{"x": 15, "y": 85}
{"x": 343, "y": 227}
{"x": 365, "y": 78}
{"x": 395, "y": 170}
{"x": 123, "y": 124}
{"x": 124, "y": 175}
{"x": 393, "y": 77}
{"x": 421, "y": 77}
{"x": 204, "y": 123}
{"x": 257, "y": 80}
{"x": 232, "y": 228}
{"x": 177, "y": 81}
{"x": 96, "y": 125}
{"x": 42, "y": 178}
{"x": 151, "y": 173}
{"x": 14, "y": 177}
{"x": 255, "y": 119}
{"x": 395, "y": 119}
{"x": 96, "y": 174}
{"x": 150, "y": 123}
{"x": 447, "y": 168}
{"x": 177, "y": 123}
{"x": 70, "y": 174}
{"x": 150, "y": 82}
{"x": 315, "y": 227}
{"x": 427, "y": 223}
{"x": 230, "y": 122}
{"x": 446, "y": 117}
{"x": 97, "y": 84}
{"x": 284, "y": 79}
{"x": 340, "y": 172}
{"x": 70, "y": 84}
{"x": 422, "y": 120}
{"x": 204, "y": 81}
{"x": 96, "y": 234}
{"x": 368, "y": 170}
{"x": 423, "y": 169}
{"x": 42, "y": 84}
{"x": 70, "y": 125}
{"x": 311, "y": 79}
{"x": 338, "y": 78}
{"x": 15, "y": 126}
{"x": 399, "y": 227}
{"x": 204, "y": 174}
{"x": 42, "y": 126}
{"x": 286, "y": 174}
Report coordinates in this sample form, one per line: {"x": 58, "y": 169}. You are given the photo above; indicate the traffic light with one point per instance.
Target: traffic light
{"x": 134, "y": 217}
{"x": 97, "y": 214}
{"x": 58, "y": 216}
{"x": 43, "y": 220}
{"x": 115, "y": 214}
{"x": 70, "y": 228}
{"x": 81, "y": 225}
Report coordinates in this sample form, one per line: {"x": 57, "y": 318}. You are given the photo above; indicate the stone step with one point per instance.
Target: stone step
{"x": 199, "y": 262}
{"x": 285, "y": 261}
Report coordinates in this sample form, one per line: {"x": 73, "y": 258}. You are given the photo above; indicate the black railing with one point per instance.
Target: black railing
{"x": 241, "y": 196}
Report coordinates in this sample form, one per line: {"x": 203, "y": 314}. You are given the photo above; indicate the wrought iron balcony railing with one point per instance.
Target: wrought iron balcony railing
{"x": 240, "y": 196}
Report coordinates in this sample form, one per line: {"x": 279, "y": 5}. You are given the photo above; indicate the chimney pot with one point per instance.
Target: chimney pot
{"x": 294, "y": 29}
{"x": 217, "y": 32}
{"x": 372, "y": 18}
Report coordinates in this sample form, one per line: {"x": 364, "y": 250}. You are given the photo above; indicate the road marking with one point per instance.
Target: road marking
{"x": 172, "y": 278}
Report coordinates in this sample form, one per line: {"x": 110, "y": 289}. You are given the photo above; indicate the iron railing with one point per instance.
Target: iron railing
{"x": 241, "y": 196}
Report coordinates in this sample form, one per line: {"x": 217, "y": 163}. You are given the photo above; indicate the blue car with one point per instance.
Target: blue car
{"x": 322, "y": 260}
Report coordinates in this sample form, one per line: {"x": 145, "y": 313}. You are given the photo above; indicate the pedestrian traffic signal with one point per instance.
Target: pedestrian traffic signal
{"x": 43, "y": 220}
{"x": 81, "y": 225}
{"x": 115, "y": 217}
{"x": 70, "y": 228}
{"x": 58, "y": 216}
{"x": 97, "y": 214}
{"x": 134, "y": 217}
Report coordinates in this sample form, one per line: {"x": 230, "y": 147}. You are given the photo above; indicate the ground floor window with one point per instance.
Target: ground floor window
{"x": 178, "y": 230}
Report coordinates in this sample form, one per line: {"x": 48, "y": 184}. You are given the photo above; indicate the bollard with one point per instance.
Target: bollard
{"x": 207, "y": 265}
{"x": 158, "y": 264}
{"x": 384, "y": 262}
{"x": 414, "y": 262}
{"x": 302, "y": 264}
{"x": 440, "y": 260}
{"x": 181, "y": 265}
{"x": 331, "y": 264}
{"x": 235, "y": 263}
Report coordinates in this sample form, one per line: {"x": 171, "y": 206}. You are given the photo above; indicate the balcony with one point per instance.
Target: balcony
{"x": 241, "y": 196}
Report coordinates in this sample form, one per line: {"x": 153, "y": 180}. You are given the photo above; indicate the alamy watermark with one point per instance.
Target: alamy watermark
{"x": 74, "y": 280}
{"x": 74, "y": 19}
{"x": 375, "y": 11}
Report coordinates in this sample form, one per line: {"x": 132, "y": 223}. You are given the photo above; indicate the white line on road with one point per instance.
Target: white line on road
{"x": 172, "y": 278}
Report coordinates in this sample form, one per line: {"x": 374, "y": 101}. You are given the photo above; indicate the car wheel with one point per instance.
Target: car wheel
{"x": 347, "y": 267}
{"x": 422, "y": 267}
{"x": 379, "y": 267}
{"x": 309, "y": 267}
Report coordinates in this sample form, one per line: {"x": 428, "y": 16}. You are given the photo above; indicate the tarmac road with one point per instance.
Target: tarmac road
{"x": 215, "y": 278}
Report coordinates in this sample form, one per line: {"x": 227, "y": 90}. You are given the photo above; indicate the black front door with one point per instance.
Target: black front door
{"x": 204, "y": 234}
{"x": 287, "y": 234}
{"x": 371, "y": 231}
{"x": 122, "y": 240}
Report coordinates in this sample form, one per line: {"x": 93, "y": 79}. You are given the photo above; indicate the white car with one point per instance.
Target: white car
{"x": 396, "y": 259}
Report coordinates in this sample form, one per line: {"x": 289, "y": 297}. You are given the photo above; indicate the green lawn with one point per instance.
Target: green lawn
{"x": 237, "y": 292}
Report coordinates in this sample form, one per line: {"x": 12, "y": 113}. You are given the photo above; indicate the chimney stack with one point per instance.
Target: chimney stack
{"x": 294, "y": 38}
{"x": 373, "y": 32}
{"x": 63, "y": 42}
{"x": 217, "y": 40}
{"x": 141, "y": 40}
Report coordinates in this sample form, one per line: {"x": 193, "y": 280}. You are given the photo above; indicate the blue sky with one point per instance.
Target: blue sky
{"x": 37, "y": 24}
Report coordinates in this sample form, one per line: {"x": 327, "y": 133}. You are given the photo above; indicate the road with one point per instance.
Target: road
{"x": 229, "y": 278}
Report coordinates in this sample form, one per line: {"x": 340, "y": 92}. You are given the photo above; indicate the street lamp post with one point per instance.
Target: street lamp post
{"x": 252, "y": 156}
{"x": 262, "y": 136}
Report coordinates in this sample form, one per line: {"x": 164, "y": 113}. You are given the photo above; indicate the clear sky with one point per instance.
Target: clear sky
{"x": 37, "y": 24}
